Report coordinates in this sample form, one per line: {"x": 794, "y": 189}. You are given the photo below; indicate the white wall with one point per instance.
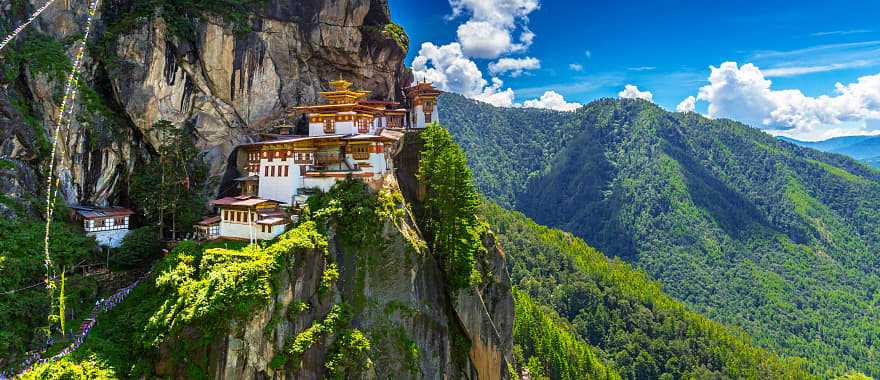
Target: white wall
{"x": 322, "y": 183}
{"x": 420, "y": 116}
{"x": 238, "y": 230}
{"x": 316, "y": 129}
{"x": 380, "y": 165}
{"x": 341, "y": 128}
{"x": 112, "y": 238}
{"x": 278, "y": 188}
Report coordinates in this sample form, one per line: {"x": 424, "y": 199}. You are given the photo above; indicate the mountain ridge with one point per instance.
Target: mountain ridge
{"x": 752, "y": 231}
{"x": 863, "y": 148}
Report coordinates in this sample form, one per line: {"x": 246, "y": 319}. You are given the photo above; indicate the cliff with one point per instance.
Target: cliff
{"x": 352, "y": 292}
{"x": 225, "y": 69}
{"x": 396, "y": 297}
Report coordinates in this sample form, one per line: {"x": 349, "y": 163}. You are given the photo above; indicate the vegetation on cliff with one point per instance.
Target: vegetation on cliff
{"x": 170, "y": 189}
{"x": 449, "y": 212}
{"x": 170, "y": 323}
{"x": 399, "y": 35}
{"x": 196, "y": 292}
{"x": 748, "y": 230}
{"x": 24, "y": 301}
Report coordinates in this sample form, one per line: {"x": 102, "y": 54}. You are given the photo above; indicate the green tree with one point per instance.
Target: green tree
{"x": 137, "y": 249}
{"x": 170, "y": 188}
{"x": 450, "y": 206}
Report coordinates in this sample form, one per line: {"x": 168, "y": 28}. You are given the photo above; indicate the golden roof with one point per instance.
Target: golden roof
{"x": 342, "y": 90}
{"x": 341, "y": 84}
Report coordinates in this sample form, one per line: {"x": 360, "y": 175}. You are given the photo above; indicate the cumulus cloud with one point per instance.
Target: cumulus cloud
{"x": 500, "y": 12}
{"x": 481, "y": 39}
{"x": 514, "y": 66}
{"x": 551, "y": 100}
{"x": 575, "y": 67}
{"x": 689, "y": 104}
{"x": 633, "y": 92}
{"x": 495, "y": 96}
{"x": 488, "y": 32}
{"x": 743, "y": 93}
{"x": 448, "y": 68}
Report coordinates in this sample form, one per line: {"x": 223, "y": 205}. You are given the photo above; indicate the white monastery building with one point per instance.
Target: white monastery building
{"x": 107, "y": 225}
{"x": 346, "y": 139}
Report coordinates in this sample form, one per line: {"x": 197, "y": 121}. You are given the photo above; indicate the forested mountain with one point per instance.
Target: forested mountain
{"x": 626, "y": 317}
{"x": 748, "y": 230}
{"x": 862, "y": 148}
{"x": 505, "y": 146}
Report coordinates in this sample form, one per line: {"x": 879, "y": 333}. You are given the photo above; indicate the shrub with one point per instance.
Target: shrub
{"x": 66, "y": 370}
{"x": 138, "y": 248}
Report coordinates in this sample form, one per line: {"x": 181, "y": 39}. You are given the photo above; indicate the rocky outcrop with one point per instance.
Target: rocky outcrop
{"x": 226, "y": 83}
{"x": 397, "y": 298}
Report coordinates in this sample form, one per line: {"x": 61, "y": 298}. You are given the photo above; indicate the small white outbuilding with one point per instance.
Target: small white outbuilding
{"x": 107, "y": 225}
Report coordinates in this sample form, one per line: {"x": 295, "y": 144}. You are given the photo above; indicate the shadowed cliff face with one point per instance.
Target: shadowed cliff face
{"x": 227, "y": 80}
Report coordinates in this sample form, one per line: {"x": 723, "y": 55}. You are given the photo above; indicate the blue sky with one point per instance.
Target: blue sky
{"x": 589, "y": 50}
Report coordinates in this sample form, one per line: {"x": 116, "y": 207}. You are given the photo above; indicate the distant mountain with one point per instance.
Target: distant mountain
{"x": 863, "y": 148}
{"x": 748, "y": 230}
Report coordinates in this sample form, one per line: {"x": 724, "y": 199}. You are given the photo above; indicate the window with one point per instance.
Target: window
{"x": 329, "y": 125}
{"x": 267, "y": 171}
{"x": 360, "y": 152}
{"x": 108, "y": 222}
{"x": 273, "y": 171}
{"x": 363, "y": 125}
{"x": 287, "y": 171}
{"x": 120, "y": 221}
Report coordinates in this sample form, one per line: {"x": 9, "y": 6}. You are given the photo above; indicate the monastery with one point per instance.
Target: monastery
{"x": 348, "y": 137}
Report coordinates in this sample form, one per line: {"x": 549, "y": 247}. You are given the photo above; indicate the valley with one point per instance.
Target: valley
{"x": 750, "y": 231}
{"x": 310, "y": 189}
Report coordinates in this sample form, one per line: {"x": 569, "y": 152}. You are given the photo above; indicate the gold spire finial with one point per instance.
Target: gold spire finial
{"x": 340, "y": 84}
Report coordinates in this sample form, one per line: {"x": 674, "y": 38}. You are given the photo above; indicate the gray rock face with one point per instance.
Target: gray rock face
{"x": 397, "y": 299}
{"x": 229, "y": 86}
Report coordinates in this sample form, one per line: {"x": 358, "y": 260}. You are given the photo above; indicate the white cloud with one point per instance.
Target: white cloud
{"x": 575, "y": 67}
{"x": 633, "y": 92}
{"x": 481, "y": 39}
{"x": 589, "y": 54}
{"x": 514, "y": 66}
{"x": 791, "y": 71}
{"x": 552, "y": 100}
{"x": 488, "y": 32}
{"x": 448, "y": 68}
{"x": 499, "y": 12}
{"x": 689, "y": 104}
{"x": 495, "y": 96}
{"x": 641, "y": 68}
{"x": 841, "y": 32}
{"x": 743, "y": 93}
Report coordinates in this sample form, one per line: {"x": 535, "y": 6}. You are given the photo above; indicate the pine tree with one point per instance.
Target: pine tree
{"x": 450, "y": 206}
{"x": 169, "y": 189}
